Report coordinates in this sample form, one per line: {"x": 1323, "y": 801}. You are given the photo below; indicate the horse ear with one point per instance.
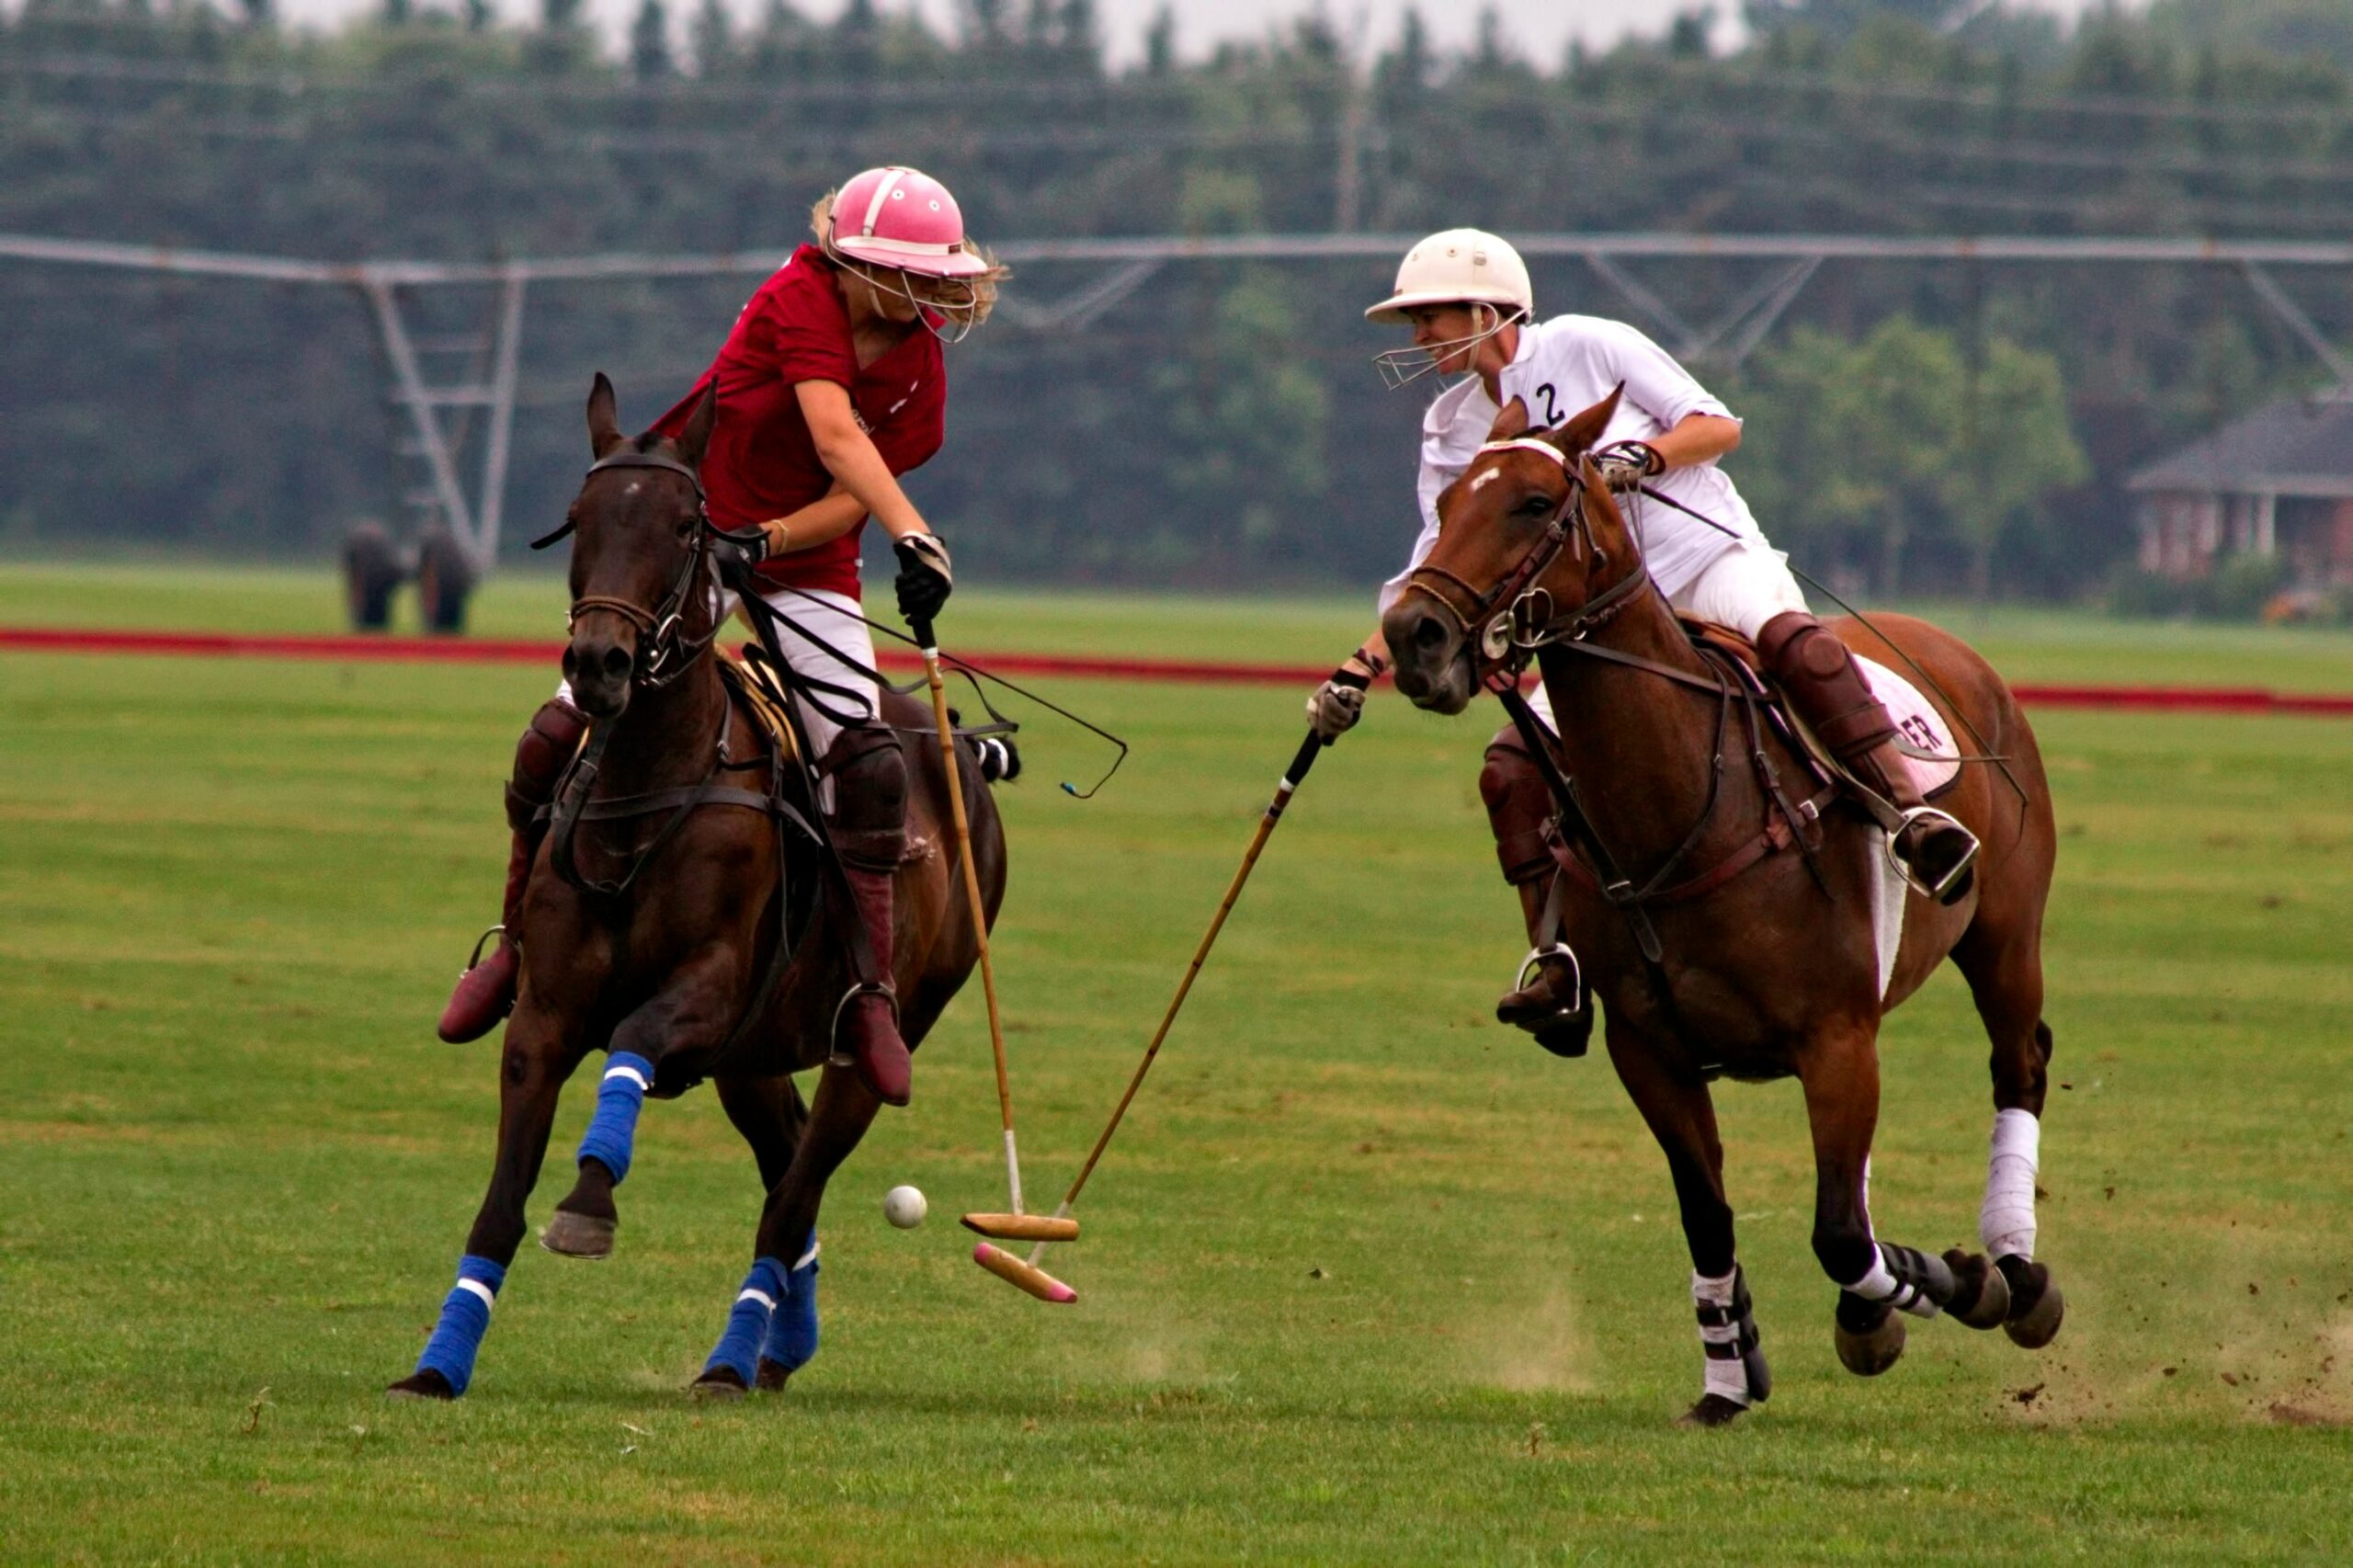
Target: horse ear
{"x": 1510, "y": 424}
{"x": 695, "y": 439}
{"x": 604, "y": 417}
{"x": 1582, "y": 430}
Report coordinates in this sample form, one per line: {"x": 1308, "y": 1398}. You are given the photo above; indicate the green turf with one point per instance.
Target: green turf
{"x": 1367, "y": 1278}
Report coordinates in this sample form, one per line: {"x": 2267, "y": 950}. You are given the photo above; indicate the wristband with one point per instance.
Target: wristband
{"x": 1370, "y": 661}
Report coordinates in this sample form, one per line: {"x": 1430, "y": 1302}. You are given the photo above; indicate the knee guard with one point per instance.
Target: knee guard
{"x": 547, "y": 748}
{"x": 1825, "y": 684}
{"x": 869, "y": 821}
{"x": 1519, "y": 809}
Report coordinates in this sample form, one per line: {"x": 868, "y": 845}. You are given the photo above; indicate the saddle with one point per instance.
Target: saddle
{"x": 754, "y": 681}
{"x": 1927, "y": 744}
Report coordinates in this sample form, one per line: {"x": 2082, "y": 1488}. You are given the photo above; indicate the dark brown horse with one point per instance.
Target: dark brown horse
{"x": 1773, "y": 969}
{"x": 715, "y": 838}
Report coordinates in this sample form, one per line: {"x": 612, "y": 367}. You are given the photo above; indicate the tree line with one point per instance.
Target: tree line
{"x": 1914, "y": 427}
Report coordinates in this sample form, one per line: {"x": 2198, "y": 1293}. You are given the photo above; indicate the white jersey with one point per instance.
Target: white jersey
{"x": 1565, "y": 366}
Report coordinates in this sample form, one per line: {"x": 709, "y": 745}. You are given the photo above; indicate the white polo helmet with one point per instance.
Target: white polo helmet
{"x": 1459, "y": 267}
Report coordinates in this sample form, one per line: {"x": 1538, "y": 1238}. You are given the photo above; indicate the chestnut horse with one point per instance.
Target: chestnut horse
{"x": 1770, "y": 968}
{"x": 676, "y": 917}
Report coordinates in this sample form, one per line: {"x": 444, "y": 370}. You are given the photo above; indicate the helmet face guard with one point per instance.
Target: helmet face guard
{"x": 949, "y": 313}
{"x": 1401, "y": 366}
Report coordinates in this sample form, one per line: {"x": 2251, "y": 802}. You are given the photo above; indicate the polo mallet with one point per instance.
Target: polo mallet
{"x": 1015, "y": 1224}
{"x": 1293, "y": 776}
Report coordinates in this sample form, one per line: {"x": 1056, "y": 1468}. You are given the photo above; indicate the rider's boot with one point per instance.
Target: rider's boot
{"x": 1549, "y": 1000}
{"x": 1938, "y": 855}
{"x": 485, "y": 993}
{"x": 869, "y": 832}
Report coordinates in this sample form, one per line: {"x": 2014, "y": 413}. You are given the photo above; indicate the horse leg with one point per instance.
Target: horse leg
{"x": 1682, "y": 1117}
{"x": 787, "y": 1242}
{"x": 768, "y": 1113}
{"x": 2005, "y": 974}
{"x": 1876, "y": 1279}
{"x": 539, "y": 1055}
{"x": 691, "y": 1011}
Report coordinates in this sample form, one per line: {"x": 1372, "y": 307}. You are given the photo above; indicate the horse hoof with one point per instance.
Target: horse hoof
{"x": 719, "y": 1383}
{"x": 2037, "y": 1307}
{"x": 422, "y": 1384}
{"x": 571, "y": 1234}
{"x": 1868, "y": 1349}
{"x": 1713, "y": 1410}
{"x": 772, "y": 1376}
{"x": 1981, "y": 1296}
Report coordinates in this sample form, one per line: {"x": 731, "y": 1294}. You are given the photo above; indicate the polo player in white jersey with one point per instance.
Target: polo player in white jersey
{"x": 1466, "y": 295}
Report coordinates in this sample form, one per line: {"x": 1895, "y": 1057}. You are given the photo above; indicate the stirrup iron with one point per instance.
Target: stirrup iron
{"x": 1915, "y": 816}
{"x": 473, "y": 962}
{"x": 835, "y": 1055}
{"x": 1533, "y": 965}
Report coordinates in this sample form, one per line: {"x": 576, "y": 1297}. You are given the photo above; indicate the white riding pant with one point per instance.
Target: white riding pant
{"x": 809, "y": 617}
{"x": 1742, "y": 589}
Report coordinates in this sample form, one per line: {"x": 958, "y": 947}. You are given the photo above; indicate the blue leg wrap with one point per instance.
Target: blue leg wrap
{"x": 465, "y": 1314}
{"x": 612, "y": 1131}
{"x": 747, "y": 1324}
{"x": 792, "y": 1332}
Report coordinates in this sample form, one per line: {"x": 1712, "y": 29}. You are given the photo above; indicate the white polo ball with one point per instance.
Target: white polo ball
{"x": 905, "y": 1207}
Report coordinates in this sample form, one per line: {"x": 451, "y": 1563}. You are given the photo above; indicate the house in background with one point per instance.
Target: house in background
{"x": 2279, "y": 481}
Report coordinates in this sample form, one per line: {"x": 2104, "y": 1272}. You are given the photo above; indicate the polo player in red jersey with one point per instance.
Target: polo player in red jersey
{"x": 831, "y": 385}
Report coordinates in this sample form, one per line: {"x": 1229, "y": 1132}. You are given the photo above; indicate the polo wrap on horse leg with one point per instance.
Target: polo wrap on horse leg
{"x": 1907, "y": 1280}
{"x": 486, "y": 992}
{"x": 1728, "y": 1334}
{"x": 611, "y": 1138}
{"x": 1548, "y": 995}
{"x": 791, "y": 1338}
{"x": 465, "y": 1318}
{"x": 1828, "y": 689}
{"x": 868, "y": 828}
{"x": 737, "y": 1352}
{"x": 2007, "y": 1224}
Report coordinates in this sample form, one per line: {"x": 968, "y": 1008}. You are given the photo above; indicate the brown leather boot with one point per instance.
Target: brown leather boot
{"x": 868, "y": 1026}
{"x": 870, "y": 832}
{"x": 1937, "y": 855}
{"x": 486, "y": 992}
{"x": 1549, "y": 1000}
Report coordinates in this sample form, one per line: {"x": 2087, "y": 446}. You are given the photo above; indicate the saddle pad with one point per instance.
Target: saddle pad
{"x": 1920, "y": 728}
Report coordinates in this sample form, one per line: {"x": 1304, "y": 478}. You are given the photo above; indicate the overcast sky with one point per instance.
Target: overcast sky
{"x": 1541, "y": 27}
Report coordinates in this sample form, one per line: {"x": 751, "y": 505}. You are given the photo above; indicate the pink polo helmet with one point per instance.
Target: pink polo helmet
{"x": 903, "y": 217}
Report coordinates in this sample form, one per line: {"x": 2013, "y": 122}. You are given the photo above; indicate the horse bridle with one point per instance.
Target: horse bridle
{"x": 664, "y": 653}
{"x": 1527, "y": 621}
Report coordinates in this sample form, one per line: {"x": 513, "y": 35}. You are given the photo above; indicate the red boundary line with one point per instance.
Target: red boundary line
{"x": 494, "y": 651}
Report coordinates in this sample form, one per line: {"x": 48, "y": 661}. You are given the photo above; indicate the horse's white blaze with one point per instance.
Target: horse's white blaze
{"x": 2007, "y": 1223}
{"x": 1485, "y": 479}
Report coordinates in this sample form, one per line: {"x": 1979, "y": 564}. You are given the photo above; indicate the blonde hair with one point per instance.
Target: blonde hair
{"x": 964, "y": 302}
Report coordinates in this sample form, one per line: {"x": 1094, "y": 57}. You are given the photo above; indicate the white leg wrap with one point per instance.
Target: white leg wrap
{"x": 2007, "y": 1223}
{"x": 1727, "y": 1375}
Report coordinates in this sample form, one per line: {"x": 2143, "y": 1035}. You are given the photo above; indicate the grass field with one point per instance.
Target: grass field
{"x": 1367, "y": 1278}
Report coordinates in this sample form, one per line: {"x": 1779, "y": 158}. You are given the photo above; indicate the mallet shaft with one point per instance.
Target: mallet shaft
{"x": 972, "y": 895}
{"x": 1292, "y": 777}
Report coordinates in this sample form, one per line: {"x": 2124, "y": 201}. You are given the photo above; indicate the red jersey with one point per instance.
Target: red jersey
{"x": 763, "y": 462}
